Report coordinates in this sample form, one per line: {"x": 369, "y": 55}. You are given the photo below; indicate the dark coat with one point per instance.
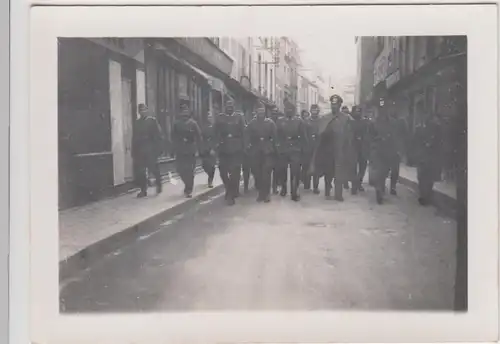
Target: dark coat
{"x": 360, "y": 128}
{"x": 428, "y": 145}
{"x": 335, "y": 154}
{"x": 261, "y": 136}
{"x": 147, "y": 139}
{"x": 230, "y": 133}
{"x": 291, "y": 135}
{"x": 186, "y": 137}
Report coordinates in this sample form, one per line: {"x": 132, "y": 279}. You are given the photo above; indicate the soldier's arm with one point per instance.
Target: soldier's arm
{"x": 274, "y": 134}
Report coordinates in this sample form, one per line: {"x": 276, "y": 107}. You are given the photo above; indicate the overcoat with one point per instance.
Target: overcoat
{"x": 335, "y": 154}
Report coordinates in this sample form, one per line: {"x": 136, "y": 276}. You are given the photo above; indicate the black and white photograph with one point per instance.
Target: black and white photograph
{"x": 268, "y": 162}
{"x": 223, "y": 173}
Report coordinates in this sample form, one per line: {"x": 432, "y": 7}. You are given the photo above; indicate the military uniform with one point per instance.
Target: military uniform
{"x": 385, "y": 153}
{"x": 428, "y": 140}
{"x": 148, "y": 141}
{"x": 275, "y": 115}
{"x": 361, "y": 142}
{"x": 245, "y": 166}
{"x": 313, "y": 140}
{"x": 207, "y": 152}
{"x": 291, "y": 141}
{"x": 229, "y": 133}
{"x": 334, "y": 155}
{"x": 261, "y": 138}
{"x": 186, "y": 136}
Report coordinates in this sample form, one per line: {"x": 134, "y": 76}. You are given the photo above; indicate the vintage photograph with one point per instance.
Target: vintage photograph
{"x": 262, "y": 173}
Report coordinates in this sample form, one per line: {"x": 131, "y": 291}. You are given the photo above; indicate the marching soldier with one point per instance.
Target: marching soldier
{"x": 229, "y": 133}
{"x": 207, "y": 152}
{"x": 360, "y": 127}
{"x": 428, "y": 139}
{"x": 186, "y": 136}
{"x": 261, "y": 136}
{"x": 385, "y": 150}
{"x": 245, "y": 165}
{"x": 313, "y": 139}
{"x": 334, "y": 155}
{"x": 291, "y": 141}
{"x": 148, "y": 141}
{"x": 275, "y": 115}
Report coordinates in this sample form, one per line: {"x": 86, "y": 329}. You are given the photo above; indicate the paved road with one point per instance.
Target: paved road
{"x": 311, "y": 255}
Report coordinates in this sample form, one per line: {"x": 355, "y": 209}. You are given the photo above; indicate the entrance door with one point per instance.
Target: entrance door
{"x": 117, "y": 142}
{"x": 127, "y": 128}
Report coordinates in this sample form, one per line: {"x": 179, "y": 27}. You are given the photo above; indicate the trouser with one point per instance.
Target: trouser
{"x": 305, "y": 177}
{"x": 426, "y": 179}
{"x": 383, "y": 167}
{"x": 262, "y": 165}
{"x": 185, "y": 167}
{"x": 230, "y": 170}
{"x": 246, "y": 167}
{"x": 338, "y": 184}
{"x": 208, "y": 164}
{"x": 361, "y": 164}
{"x": 275, "y": 173}
{"x": 292, "y": 159}
{"x": 146, "y": 165}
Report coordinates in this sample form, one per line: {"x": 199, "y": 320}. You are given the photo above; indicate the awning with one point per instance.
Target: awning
{"x": 214, "y": 83}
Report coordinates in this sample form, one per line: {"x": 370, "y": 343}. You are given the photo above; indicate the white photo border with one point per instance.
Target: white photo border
{"x": 478, "y": 22}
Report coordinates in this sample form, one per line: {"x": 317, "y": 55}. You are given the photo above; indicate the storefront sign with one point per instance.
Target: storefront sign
{"x": 131, "y": 47}
{"x": 204, "y": 48}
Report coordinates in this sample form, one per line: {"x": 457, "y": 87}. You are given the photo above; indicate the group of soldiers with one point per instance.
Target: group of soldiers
{"x": 336, "y": 147}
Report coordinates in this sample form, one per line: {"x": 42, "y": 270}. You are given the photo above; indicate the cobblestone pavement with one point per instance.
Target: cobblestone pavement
{"x": 311, "y": 255}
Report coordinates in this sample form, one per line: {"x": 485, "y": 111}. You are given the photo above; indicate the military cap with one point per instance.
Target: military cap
{"x": 336, "y": 99}
{"x": 314, "y": 106}
{"x": 183, "y": 102}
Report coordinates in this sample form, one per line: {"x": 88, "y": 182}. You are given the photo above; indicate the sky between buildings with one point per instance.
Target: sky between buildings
{"x": 335, "y": 56}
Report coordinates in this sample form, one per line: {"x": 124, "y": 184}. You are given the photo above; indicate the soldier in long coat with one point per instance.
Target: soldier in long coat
{"x": 246, "y": 166}
{"x": 386, "y": 150}
{"x": 261, "y": 147}
{"x": 208, "y": 149}
{"x": 428, "y": 145}
{"x": 187, "y": 138}
{"x": 292, "y": 139}
{"x": 313, "y": 123}
{"x": 360, "y": 127}
{"x": 230, "y": 136}
{"x": 334, "y": 158}
{"x": 147, "y": 147}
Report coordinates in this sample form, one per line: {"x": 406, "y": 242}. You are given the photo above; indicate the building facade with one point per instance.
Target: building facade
{"x": 419, "y": 75}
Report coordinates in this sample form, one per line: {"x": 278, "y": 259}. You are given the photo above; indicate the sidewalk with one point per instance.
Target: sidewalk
{"x": 100, "y": 228}
{"x": 444, "y": 196}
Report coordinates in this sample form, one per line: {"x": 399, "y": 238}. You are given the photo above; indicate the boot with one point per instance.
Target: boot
{"x": 142, "y": 194}
{"x": 346, "y": 185}
{"x": 159, "y": 188}
{"x": 394, "y": 192}
{"x": 316, "y": 191}
{"x": 338, "y": 192}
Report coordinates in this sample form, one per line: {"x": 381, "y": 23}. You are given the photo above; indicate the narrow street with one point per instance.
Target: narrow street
{"x": 310, "y": 255}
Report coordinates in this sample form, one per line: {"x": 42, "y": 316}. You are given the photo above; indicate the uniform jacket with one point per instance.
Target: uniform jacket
{"x": 291, "y": 135}
{"x": 230, "y": 133}
{"x": 208, "y": 138}
{"x": 386, "y": 142}
{"x": 186, "y": 136}
{"x": 360, "y": 128}
{"x": 261, "y": 136}
{"x": 148, "y": 138}
{"x": 312, "y": 134}
{"x": 428, "y": 144}
{"x": 335, "y": 152}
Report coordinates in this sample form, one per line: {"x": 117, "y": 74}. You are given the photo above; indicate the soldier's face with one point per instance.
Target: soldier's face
{"x": 261, "y": 113}
{"x": 210, "y": 118}
{"x": 185, "y": 112}
{"x": 335, "y": 107}
{"x": 381, "y": 103}
{"x": 314, "y": 112}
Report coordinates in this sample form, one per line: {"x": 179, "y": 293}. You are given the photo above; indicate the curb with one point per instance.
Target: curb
{"x": 96, "y": 251}
{"x": 444, "y": 203}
